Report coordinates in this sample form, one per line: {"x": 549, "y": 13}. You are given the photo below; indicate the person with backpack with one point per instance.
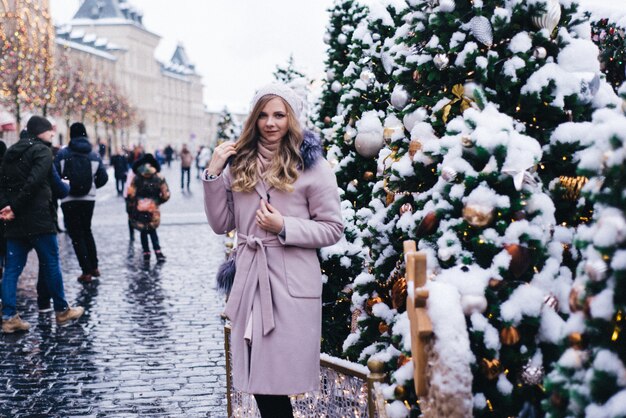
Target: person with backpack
{"x": 26, "y": 208}
{"x": 86, "y": 173}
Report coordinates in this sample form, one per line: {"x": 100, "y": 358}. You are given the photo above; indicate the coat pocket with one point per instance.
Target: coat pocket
{"x": 302, "y": 270}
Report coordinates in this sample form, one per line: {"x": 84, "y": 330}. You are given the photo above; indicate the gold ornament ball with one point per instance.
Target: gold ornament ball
{"x": 399, "y": 392}
{"x": 490, "y": 368}
{"x": 327, "y": 120}
{"x": 383, "y": 327}
{"x": 390, "y": 198}
{"x": 576, "y": 340}
{"x": 414, "y": 146}
{"x": 509, "y": 335}
{"x": 478, "y": 216}
{"x": 368, "y": 176}
{"x": 369, "y": 304}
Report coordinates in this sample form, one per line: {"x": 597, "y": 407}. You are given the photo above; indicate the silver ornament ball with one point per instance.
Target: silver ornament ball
{"x": 449, "y": 174}
{"x": 532, "y": 375}
{"x": 540, "y": 53}
{"x": 481, "y": 30}
{"x": 441, "y": 61}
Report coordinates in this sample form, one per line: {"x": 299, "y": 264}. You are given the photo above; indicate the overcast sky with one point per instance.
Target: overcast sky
{"x": 235, "y": 44}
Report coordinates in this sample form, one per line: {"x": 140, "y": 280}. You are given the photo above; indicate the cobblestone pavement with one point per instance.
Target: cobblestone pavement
{"x": 151, "y": 341}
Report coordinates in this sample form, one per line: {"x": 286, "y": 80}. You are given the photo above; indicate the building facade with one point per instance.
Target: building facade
{"x": 167, "y": 96}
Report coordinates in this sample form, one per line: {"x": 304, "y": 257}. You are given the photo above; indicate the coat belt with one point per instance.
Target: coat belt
{"x": 257, "y": 247}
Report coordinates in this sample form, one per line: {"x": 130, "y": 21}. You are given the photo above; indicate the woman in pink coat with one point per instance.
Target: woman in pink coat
{"x": 281, "y": 196}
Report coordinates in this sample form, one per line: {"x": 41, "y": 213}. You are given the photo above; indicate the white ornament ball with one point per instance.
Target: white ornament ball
{"x": 441, "y": 61}
{"x": 448, "y": 174}
{"x": 596, "y": 270}
{"x": 473, "y": 303}
{"x": 336, "y": 86}
{"x": 550, "y": 18}
{"x": 368, "y": 77}
{"x": 342, "y": 39}
{"x": 368, "y": 144}
{"x": 399, "y": 97}
{"x": 447, "y": 5}
{"x": 540, "y": 53}
{"x": 481, "y": 29}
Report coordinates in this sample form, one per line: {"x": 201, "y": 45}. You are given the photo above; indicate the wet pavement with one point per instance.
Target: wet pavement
{"x": 151, "y": 341}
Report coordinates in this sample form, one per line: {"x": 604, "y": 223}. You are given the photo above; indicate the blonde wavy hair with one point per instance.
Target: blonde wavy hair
{"x": 283, "y": 171}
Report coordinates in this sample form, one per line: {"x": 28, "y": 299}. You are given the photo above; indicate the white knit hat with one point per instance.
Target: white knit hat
{"x": 283, "y": 91}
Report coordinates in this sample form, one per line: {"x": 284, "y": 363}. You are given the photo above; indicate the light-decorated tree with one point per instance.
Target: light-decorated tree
{"x": 227, "y": 128}
{"x": 473, "y": 175}
{"x": 26, "y": 62}
{"x": 589, "y": 379}
{"x": 359, "y": 74}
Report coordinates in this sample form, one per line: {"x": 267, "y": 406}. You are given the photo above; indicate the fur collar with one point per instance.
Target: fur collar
{"x": 311, "y": 149}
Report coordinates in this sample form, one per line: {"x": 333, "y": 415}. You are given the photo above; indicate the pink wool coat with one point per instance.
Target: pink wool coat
{"x": 275, "y": 302}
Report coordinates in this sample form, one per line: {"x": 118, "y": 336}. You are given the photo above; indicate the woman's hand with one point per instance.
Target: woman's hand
{"x": 220, "y": 155}
{"x": 269, "y": 218}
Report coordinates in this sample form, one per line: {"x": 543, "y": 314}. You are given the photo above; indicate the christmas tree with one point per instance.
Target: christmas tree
{"x": 344, "y": 16}
{"x": 589, "y": 379}
{"x": 611, "y": 39}
{"x": 480, "y": 184}
{"x": 364, "y": 87}
{"x": 287, "y": 73}
{"x": 342, "y": 262}
{"x": 227, "y": 129}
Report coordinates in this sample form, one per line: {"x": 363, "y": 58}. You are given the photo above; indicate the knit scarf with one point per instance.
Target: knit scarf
{"x": 265, "y": 154}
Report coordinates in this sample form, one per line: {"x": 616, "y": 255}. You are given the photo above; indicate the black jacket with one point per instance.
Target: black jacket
{"x": 25, "y": 178}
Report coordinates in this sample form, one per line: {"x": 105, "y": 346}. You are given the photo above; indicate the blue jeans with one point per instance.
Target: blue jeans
{"x": 47, "y": 248}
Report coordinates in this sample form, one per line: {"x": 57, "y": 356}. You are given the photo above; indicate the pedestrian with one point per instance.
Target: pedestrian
{"x": 129, "y": 181}
{"x": 26, "y": 207}
{"x": 169, "y": 155}
{"x": 135, "y": 154}
{"x": 274, "y": 306}
{"x": 119, "y": 161}
{"x": 86, "y": 172}
{"x": 146, "y": 193}
{"x": 186, "y": 159}
{"x": 202, "y": 160}
{"x": 60, "y": 189}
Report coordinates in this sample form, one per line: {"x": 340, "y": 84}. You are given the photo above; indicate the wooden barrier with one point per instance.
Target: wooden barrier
{"x": 421, "y": 326}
